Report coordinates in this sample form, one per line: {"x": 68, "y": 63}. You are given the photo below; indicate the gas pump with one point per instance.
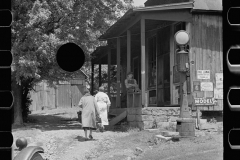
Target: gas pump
{"x": 185, "y": 124}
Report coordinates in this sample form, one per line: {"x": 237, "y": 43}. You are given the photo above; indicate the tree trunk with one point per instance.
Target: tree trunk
{"x": 17, "y": 92}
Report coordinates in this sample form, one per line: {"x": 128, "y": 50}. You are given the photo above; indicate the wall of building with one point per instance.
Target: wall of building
{"x": 153, "y": 117}
{"x": 206, "y": 53}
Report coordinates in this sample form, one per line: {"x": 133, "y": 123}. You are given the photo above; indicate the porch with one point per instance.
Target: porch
{"x": 142, "y": 41}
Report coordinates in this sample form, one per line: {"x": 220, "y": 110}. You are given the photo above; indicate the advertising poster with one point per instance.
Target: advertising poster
{"x": 203, "y": 74}
{"x": 206, "y": 86}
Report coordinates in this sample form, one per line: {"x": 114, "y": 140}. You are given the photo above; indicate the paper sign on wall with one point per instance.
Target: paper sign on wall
{"x": 203, "y": 74}
{"x": 206, "y": 86}
{"x": 219, "y": 80}
{"x": 196, "y": 86}
{"x": 218, "y": 93}
{"x": 204, "y": 101}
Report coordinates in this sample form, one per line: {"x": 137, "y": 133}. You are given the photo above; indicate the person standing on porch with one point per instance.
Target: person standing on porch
{"x": 89, "y": 112}
{"x": 130, "y": 83}
{"x": 103, "y": 103}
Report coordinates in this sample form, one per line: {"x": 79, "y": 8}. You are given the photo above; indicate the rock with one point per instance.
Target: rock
{"x": 163, "y": 138}
{"x": 138, "y": 151}
{"x": 169, "y": 134}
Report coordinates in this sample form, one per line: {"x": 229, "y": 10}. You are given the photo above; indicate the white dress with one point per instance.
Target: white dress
{"x": 103, "y": 102}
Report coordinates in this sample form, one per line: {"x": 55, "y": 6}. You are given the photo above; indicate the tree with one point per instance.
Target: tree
{"x": 40, "y": 27}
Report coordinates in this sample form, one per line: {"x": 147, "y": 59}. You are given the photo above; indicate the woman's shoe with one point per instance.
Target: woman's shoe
{"x": 90, "y": 137}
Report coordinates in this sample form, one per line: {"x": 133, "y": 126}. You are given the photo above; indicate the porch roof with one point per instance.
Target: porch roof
{"x": 132, "y": 16}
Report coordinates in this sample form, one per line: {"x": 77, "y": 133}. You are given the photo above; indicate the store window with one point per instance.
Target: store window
{"x": 152, "y": 72}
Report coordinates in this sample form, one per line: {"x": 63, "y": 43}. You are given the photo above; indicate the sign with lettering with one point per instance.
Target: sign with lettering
{"x": 203, "y": 74}
{"x": 206, "y": 86}
{"x": 204, "y": 101}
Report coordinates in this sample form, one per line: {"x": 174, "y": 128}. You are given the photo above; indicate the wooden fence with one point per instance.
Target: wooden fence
{"x": 63, "y": 96}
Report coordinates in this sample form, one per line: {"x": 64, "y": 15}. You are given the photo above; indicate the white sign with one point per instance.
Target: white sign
{"x": 204, "y": 101}
{"x": 206, "y": 86}
{"x": 219, "y": 80}
{"x": 218, "y": 93}
{"x": 203, "y": 74}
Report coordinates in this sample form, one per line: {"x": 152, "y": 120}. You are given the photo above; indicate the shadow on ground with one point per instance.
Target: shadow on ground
{"x": 50, "y": 122}
{"x": 82, "y": 139}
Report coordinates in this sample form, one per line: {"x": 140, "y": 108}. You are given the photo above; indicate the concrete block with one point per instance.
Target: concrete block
{"x": 139, "y": 118}
{"x": 131, "y": 111}
{"x": 131, "y": 118}
{"x": 133, "y": 124}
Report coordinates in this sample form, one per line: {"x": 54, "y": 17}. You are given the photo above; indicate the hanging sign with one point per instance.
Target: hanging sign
{"x": 219, "y": 80}
{"x": 204, "y": 101}
{"x": 218, "y": 93}
{"x": 206, "y": 86}
{"x": 203, "y": 74}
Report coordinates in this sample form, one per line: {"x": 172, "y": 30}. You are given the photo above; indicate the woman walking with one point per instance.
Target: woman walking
{"x": 103, "y": 103}
{"x": 89, "y": 112}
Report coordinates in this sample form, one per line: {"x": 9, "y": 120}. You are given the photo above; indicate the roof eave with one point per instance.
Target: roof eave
{"x": 165, "y": 7}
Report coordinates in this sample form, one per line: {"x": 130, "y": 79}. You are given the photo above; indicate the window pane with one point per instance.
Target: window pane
{"x": 166, "y": 68}
{"x": 152, "y": 63}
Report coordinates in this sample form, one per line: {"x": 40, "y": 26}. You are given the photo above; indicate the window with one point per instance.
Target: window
{"x": 152, "y": 72}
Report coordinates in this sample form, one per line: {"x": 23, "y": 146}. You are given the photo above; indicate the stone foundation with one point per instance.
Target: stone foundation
{"x": 153, "y": 117}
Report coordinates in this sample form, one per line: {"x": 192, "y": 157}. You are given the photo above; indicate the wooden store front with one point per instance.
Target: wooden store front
{"x": 142, "y": 41}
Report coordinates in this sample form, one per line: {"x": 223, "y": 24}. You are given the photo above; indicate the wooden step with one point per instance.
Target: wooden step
{"x": 118, "y": 118}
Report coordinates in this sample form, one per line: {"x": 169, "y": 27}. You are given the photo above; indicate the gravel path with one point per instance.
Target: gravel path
{"x": 61, "y": 136}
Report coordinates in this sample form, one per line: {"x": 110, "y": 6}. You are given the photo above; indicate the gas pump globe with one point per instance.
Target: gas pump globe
{"x": 182, "y": 39}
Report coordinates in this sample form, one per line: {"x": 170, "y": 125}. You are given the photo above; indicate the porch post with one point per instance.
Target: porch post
{"x": 143, "y": 77}
{"x": 118, "y": 73}
{"x": 100, "y": 73}
{"x": 128, "y": 51}
{"x": 92, "y": 79}
{"x": 109, "y": 67}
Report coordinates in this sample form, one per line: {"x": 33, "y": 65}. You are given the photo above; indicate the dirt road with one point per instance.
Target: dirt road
{"x": 62, "y": 139}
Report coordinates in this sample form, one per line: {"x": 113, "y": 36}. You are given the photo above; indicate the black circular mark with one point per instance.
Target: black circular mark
{"x": 70, "y": 57}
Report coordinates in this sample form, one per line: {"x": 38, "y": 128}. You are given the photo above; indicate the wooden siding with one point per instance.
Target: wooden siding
{"x": 67, "y": 96}
{"x": 206, "y": 49}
